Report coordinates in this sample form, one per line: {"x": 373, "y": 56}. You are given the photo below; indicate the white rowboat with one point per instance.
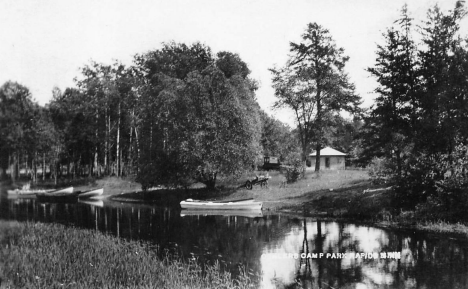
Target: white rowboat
{"x": 239, "y": 213}
{"x": 64, "y": 195}
{"x": 100, "y": 197}
{"x": 64, "y": 191}
{"x": 91, "y": 193}
{"x": 230, "y": 205}
{"x": 24, "y": 193}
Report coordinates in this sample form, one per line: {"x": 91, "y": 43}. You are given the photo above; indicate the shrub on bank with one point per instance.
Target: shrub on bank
{"x": 295, "y": 171}
{"x": 380, "y": 169}
{"x": 54, "y": 256}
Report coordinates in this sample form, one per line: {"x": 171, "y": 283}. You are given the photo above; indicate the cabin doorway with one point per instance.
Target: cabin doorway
{"x": 327, "y": 163}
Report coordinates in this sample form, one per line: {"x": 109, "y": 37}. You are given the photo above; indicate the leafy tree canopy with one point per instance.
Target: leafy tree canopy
{"x": 200, "y": 117}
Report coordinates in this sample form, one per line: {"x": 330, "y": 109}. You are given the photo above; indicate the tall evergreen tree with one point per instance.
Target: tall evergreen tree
{"x": 395, "y": 111}
{"x": 421, "y": 111}
{"x": 443, "y": 62}
{"x": 314, "y": 84}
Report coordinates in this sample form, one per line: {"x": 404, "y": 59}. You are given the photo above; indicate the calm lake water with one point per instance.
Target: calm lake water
{"x": 269, "y": 246}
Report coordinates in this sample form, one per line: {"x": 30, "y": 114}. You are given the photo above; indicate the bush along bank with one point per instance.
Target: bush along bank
{"x": 53, "y": 256}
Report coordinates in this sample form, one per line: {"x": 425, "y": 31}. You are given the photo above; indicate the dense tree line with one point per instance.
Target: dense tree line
{"x": 420, "y": 119}
{"x": 178, "y": 115}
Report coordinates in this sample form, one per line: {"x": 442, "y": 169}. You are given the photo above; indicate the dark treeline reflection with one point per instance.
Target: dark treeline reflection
{"x": 263, "y": 244}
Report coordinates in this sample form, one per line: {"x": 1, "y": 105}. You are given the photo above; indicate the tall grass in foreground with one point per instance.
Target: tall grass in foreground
{"x": 54, "y": 256}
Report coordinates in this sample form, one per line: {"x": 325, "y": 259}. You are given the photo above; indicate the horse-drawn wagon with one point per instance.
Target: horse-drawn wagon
{"x": 262, "y": 181}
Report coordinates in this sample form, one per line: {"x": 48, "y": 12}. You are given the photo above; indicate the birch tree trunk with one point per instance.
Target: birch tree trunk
{"x": 106, "y": 145}
{"x": 43, "y": 167}
{"x": 96, "y": 169}
{"x": 55, "y": 170}
{"x": 17, "y": 166}
{"x": 130, "y": 146}
{"x": 34, "y": 167}
{"x": 12, "y": 167}
{"x": 137, "y": 149}
{"x": 118, "y": 142}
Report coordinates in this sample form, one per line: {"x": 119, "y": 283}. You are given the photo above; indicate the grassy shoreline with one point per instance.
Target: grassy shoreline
{"x": 54, "y": 256}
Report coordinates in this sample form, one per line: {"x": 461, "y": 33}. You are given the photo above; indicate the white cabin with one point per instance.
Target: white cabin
{"x": 330, "y": 159}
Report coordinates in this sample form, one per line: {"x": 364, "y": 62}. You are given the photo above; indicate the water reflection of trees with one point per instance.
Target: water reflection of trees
{"x": 424, "y": 263}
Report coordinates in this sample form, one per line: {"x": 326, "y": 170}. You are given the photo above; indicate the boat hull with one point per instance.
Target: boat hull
{"x": 201, "y": 205}
{"x": 238, "y": 213}
{"x": 64, "y": 191}
{"x": 59, "y": 196}
{"x": 26, "y": 193}
{"x": 91, "y": 194}
{"x": 97, "y": 198}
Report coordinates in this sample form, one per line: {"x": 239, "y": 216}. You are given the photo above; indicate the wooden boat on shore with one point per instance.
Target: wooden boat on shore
{"x": 91, "y": 193}
{"x": 26, "y": 193}
{"x": 245, "y": 204}
{"x": 59, "y": 196}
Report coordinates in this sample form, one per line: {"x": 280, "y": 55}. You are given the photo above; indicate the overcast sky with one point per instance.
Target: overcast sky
{"x": 44, "y": 43}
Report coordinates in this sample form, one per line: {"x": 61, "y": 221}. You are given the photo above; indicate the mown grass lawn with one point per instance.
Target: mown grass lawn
{"x": 276, "y": 196}
{"x": 36, "y": 255}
